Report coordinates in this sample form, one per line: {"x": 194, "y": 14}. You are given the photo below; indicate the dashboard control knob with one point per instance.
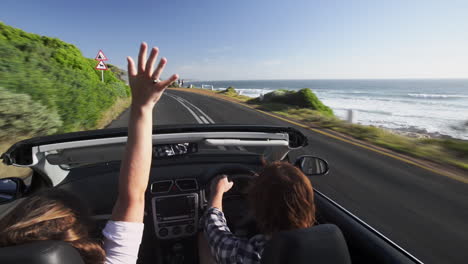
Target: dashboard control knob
{"x": 163, "y": 232}
{"x": 189, "y": 229}
{"x": 176, "y": 230}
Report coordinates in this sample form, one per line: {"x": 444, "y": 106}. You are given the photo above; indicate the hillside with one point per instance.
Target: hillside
{"x": 47, "y": 86}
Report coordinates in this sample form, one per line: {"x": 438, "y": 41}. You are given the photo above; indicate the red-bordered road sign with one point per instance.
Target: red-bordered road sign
{"x": 101, "y": 66}
{"x": 100, "y": 56}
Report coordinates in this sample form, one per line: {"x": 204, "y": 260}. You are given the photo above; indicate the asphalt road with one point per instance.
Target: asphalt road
{"x": 425, "y": 213}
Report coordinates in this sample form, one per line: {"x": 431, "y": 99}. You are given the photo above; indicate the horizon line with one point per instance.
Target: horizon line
{"x": 320, "y": 79}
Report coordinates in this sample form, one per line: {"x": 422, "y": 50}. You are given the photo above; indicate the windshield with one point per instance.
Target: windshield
{"x": 378, "y": 88}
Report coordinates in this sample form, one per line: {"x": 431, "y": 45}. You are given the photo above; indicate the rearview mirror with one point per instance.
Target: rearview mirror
{"x": 11, "y": 189}
{"x": 311, "y": 165}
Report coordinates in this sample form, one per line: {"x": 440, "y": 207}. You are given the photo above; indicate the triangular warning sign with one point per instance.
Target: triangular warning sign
{"x": 101, "y": 66}
{"x": 100, "y": 56}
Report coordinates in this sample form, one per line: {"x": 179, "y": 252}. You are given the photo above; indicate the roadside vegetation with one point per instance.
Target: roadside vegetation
{"x": 231, "y": 92}
{"x": 303, "y": 98}
{"x": 56, "y": 75}
{"x": 48, "y": 87}
{"x": 305, "y": 107}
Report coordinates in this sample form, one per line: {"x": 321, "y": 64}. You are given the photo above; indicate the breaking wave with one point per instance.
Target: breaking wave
{"x": 434, "y": 96}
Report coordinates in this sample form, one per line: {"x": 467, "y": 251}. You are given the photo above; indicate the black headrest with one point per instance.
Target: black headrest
{"x": 41, "y": 252}
{"x": 317, "y": 245}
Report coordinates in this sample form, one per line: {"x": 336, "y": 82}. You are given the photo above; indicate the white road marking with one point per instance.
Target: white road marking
{"x": 194, "y": 106}
{"x": 203, "y": 118}
{"x": 188, "y": 108}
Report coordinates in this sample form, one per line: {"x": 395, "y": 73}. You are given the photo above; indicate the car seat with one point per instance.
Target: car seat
{"x": 318, "y": 244}
{"x": 41, "y": 252}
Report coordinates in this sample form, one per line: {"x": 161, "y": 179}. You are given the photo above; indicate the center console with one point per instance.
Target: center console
{"x": 175, "y": 209}
{"x": 175, "y": 215}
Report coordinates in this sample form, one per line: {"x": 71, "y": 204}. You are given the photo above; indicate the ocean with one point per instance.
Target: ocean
{"x": 437, "y": 106}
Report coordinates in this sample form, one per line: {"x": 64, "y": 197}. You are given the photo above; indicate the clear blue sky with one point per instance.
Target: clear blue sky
{"x": 264, "y": 39}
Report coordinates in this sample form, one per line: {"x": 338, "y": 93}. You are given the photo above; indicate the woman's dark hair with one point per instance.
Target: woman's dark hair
{"x": 52, "y": 215}
{"x": 282, "y": 199}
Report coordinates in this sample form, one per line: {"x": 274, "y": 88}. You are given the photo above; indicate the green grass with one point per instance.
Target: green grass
{"x": 55, "y": 76}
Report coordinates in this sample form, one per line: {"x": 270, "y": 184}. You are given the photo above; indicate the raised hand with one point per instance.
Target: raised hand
{"x": 144, "y": 82}
{"x": 136, "y": 164}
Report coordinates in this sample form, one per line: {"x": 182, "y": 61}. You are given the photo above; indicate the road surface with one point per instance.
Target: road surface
{"x": 425, "y": 213}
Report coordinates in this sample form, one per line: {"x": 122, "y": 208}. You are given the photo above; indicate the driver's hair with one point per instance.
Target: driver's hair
{"x": 282, "y": 199}
{"x": 55, "y": 215}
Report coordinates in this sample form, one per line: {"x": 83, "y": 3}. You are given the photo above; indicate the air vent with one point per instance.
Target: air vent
{"x": 187, "y": 184}
{"x": 161, "y": 186}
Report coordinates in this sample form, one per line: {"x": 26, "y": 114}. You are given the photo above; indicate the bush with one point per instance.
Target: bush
{"x": 27, "y": 117}
{"x": 230, "y": 91}
{"x": 174, "y": 85}
{"x": 119, "y": 73}
{"x": 456, "y": 146}
{"x": 303, "y": 98}
{"x": 460, "y": 147}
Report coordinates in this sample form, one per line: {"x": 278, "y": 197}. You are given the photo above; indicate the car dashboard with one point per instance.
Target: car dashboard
{"x": 175, "y": 198}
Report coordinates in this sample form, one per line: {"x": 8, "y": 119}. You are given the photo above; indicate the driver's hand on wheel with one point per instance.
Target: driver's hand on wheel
{"x": 218, "y": 187}
{"x": 221, "y": 184}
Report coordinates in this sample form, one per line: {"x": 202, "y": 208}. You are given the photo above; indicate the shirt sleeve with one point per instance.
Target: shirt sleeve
{"x": 225, "y": 247}
{"x": 122, "y": 241}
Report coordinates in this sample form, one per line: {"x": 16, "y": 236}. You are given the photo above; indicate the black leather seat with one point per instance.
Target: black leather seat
{"x": 315, "y": 245}
{"x": 42, "y": 252}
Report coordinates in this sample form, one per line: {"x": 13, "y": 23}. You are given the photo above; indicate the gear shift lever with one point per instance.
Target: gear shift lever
{"x": 178, "y": 254}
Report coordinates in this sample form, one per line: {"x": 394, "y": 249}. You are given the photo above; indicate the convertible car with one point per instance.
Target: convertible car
{"x": 185, "y": 160}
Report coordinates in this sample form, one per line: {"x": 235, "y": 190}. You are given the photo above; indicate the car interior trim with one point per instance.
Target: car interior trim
{"x": 186, "y": 179}
{"x": 152, "y": 189}
{"x": 239, "y": 142}
{"x": 165, "y": 139}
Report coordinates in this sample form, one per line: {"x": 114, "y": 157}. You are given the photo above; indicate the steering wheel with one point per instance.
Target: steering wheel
{"x": 235, "y": 206}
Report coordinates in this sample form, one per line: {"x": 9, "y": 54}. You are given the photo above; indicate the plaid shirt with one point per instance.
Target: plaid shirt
{"x": 227, "y": 248}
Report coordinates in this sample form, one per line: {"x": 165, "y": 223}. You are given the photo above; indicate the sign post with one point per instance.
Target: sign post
{"x": 101, "y": 66}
